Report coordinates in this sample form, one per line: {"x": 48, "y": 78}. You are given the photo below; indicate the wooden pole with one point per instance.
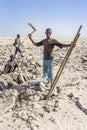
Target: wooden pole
{"x": 63, "y": 64}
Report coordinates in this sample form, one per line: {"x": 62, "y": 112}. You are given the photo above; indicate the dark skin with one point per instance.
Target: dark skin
{"x": 48, "y": 37}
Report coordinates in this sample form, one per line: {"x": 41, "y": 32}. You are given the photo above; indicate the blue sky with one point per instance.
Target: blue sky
{"x": 63, "y": 16}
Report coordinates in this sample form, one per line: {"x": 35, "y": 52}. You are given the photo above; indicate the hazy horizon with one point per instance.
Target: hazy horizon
{"x": 63, "y": 16}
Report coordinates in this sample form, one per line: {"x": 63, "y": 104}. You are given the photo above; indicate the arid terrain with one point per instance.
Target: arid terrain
{"x": 21, "y": 97}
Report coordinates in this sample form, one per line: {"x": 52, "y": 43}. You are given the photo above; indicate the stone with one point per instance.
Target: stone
{"x": 23, "y": 115}
{"x": 38, "y": 64}
{"x": 44, "y": 86}
{"x": 2, "y": 86}
{"x": 8, "y": 101}
{"x": 10, "y": 85}
{"x": 71, "y": 95}
{"x": 2, "y": 95}
{"x": 20, "y": 79}
{"x": 56, "y": 104}
{"x": 58, "y": 89}
{"x": 46, "y": 109}
{"x": 36, "y": 106}
{"x": 36, "y": 97}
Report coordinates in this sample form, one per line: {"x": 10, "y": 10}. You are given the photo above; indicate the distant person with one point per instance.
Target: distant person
{"x": 17, "y": 44}
{"x": 48, "y": 45}
{"x": 11, "y": 65}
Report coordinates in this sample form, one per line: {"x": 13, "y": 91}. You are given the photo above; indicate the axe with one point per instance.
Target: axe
{"x": 34, "y": 29}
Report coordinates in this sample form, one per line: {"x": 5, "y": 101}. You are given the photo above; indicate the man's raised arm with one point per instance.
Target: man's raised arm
{"x": 32, "y": 39}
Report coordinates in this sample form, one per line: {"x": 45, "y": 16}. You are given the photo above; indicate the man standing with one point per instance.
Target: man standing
{"x": 48, "y": 45}
{"x": 17, "y": 43}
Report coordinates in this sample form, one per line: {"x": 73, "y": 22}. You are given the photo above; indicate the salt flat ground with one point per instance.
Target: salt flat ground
{"x": 71, "y": 111}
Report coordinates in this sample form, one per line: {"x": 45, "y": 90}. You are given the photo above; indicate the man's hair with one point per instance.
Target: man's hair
{"x": 11, "y": 57}
{"x": 18, "y": 35}
{"x": 48, "y": 29}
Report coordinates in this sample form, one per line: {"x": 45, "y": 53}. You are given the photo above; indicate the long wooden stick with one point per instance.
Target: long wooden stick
{"x": 24, "y": 40}
{"x": 63, "y": 64}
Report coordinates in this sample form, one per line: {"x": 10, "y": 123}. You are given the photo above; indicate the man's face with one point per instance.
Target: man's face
{"x": 48, "y": 33}
{"x": 18, "y": 36}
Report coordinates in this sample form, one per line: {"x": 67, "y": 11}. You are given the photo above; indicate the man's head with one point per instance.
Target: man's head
{"x": 18, "y": 35}
{"x": 48, "y": 32}
{"x": 12, "y": 57}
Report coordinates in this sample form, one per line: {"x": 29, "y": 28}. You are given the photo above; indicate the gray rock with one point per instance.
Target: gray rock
{"x": 20, "y": 79}
{"x": 8, "y": 101}
{"x": 56, "y": 104}
{"x": 2, "y": 86}
{"x": 46, "y": 109}
{"x": 36, "y": 97}
{"x": 71, "y": 95}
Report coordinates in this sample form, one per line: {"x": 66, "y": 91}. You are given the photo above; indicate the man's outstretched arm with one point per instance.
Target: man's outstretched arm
{"x": 62, "y": 45}
{"x": 66, "y": 45}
